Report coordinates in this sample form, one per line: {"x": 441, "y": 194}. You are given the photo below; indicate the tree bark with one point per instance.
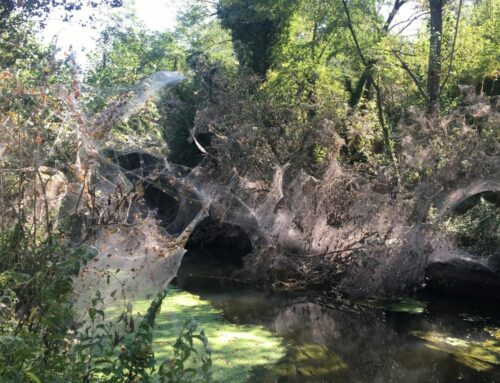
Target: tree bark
{"x": 434, "y": 68}
{"x": 366, "y": 80}
{"x": 363, "y": 82}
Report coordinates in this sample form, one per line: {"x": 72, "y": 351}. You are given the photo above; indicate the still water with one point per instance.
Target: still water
{"x": 262, "y": 337}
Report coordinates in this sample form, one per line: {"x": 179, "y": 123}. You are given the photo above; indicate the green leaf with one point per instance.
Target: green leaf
{"x": 33, "y": 377}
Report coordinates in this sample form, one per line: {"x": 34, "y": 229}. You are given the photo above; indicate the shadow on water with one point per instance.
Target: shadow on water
{"x": 335, "y": 344}
{"x": 215, "y": 250}
{"x": 409, "y": 340}
{"x": 260, "y": 337}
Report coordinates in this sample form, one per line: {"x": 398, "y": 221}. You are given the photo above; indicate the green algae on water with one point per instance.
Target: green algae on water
{"x": 405, "y": 305}
{"x": 399, "y": 305}
{"x": 236, "y": 349}
{"x": 481, "y": 355}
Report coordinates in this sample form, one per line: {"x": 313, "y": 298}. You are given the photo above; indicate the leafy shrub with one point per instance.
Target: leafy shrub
{"x": 36, "y": 320}
{"x": 38, "y": 337}
{"x": 121, "y": 350}
{"x": 477, "y": 229}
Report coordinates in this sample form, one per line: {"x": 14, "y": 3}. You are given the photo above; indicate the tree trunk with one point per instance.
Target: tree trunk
{"x": 434, "y": 69}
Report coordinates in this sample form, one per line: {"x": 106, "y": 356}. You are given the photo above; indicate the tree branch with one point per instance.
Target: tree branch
{"x": 353, "y": 33}
{"x": 452, "y": 53}
{"x": 395, "y": 8}
{"x": 409, "y": 20}
{"x": 411, "y": 74}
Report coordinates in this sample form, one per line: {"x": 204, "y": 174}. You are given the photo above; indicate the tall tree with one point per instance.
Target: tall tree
{"x": 434, "y": 66}
{"x": 256, "y": 27}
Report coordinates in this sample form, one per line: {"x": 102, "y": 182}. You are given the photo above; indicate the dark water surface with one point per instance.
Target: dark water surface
{"x": 436, "y": 340}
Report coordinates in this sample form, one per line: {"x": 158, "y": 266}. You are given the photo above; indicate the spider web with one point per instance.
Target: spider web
{"x": 136, "y": 256}
{"x": 138, "y": 251}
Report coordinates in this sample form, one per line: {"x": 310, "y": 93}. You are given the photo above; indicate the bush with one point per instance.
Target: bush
{"x": 478, "y": 228}
{"x": 38, "y": 337}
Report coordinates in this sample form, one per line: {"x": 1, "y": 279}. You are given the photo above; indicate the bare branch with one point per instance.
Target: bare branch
{"x": 409, "y": 21}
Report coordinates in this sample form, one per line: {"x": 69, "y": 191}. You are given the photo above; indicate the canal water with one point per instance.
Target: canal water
{"x": 256, "y": 336}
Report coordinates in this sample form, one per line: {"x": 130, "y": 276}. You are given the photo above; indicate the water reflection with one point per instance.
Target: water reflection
{"x": 343, "y": 342}
{"x": 481, "y": 355}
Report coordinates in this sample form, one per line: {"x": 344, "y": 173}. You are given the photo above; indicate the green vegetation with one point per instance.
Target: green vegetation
{"x": 36, "y": 320}
{"x": 312, "y": 84}
{"x": 405, "y": 305}
{"x": 235, "y": 349}
{"x": 38, "y": 337}
{"x": 477, "y": 229}
{"x": 479, "y": 355}
{"x": 122, "y": 350}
